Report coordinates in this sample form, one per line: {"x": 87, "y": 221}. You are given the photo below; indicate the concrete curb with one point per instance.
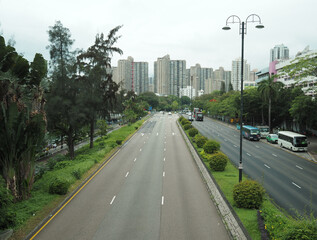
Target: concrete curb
{"x": 228, "y": 217}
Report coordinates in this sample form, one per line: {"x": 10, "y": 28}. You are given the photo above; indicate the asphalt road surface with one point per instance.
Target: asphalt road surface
{"x": 151, "y": 189}
{"x": 288, "y": 178}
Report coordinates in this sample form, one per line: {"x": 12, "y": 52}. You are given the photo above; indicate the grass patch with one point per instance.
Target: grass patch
{"x": 30, "y": 212}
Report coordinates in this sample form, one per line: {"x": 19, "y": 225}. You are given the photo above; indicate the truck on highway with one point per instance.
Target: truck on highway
{"x": 199, "y": 116}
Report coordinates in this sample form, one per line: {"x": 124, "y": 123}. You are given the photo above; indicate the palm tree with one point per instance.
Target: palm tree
{"x": 268, "y": 89}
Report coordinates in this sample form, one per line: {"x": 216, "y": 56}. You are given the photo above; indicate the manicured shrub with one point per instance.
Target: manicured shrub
{"x": 218, "y": 161}
{"x": 211, "y": 146}
{"x": 59, "y": 186}
{"x": 187, "y": 126}
{"x": 180, "y": 119}
{"x": 248, "y": 194}
{"x": 200, "y": 140}
{"x": 185, "y": 121}
{"x": 192, "y": 132}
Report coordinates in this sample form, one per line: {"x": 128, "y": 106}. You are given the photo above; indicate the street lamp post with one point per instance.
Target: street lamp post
{"x": 242, "y": 30}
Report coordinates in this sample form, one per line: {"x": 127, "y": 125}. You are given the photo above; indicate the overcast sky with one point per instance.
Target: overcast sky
{"x": 185, "y": 29}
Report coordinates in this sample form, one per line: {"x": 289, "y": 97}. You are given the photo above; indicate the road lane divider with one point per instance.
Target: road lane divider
{"x": 274, "y": 155}
{"x": 249, "y": 154}
{"x": 114, "y": 197}
{"x": 127, "y": 174}
{"x": 296, "y": 185}
{"x": 267, "y": 166}
{"x": 299, "y": 167}
{"x": 162, "y": 200}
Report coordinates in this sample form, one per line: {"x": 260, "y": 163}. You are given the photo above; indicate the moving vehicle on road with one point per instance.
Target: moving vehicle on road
{"x": 251, "y": 133}
{"x": 272, "y": 138}
{"x": 264, "y": 131}
{"x": 293, "y": 141}
{"x": 190, "y": 118}
{"x": 199, "y": 116}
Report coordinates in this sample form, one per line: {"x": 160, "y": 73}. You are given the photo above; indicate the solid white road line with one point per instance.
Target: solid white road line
{"x": 114, "y": 197}
{"x": 296, "y": 185}
{"x": 267, "y": 166}
{"x": 162, "y": 200}
{"x": 299, "y": 167}
{"x": 127, "y": 174}
{"x": 163, "y": 174}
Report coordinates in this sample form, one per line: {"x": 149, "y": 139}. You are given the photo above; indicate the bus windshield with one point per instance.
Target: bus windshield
{"x": 255, "y": 131}
{"x": 300, "y": 141}
{"x": 264, "y": 129}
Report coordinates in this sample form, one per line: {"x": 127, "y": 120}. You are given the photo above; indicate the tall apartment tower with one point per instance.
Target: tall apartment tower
{"x": 141, "y": 77}
{"x": 124, "y": 75}
{"x": 162, "y": 75}
{"x": 236, "y": 73}
{"x": 279, "y": 52}
{"x": 222, "y": 75}
{"x": 198, "y": 77}
{"x": 177, "y": 76}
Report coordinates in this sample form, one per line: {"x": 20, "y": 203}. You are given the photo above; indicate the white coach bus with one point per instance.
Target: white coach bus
{"x": 292, "y": 141}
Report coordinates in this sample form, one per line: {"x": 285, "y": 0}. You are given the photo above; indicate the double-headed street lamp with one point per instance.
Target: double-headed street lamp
{"x": 242, "y": 30}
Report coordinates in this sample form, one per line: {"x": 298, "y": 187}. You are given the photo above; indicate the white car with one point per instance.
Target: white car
{"x": 169, "y": 113}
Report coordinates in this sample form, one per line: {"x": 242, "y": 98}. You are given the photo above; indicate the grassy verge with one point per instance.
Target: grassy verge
{"x": 31, "y": 212}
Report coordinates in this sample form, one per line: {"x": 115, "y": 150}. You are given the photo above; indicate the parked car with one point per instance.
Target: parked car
{"x": 272, "y": 138}
{"x": 190, "y": 118}
{"x": 169, "y": 113}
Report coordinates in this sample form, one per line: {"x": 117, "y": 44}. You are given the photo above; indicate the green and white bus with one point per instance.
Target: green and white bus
{"x": 293, "y": 141}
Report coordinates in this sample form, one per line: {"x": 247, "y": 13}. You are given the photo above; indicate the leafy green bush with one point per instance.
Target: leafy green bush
{"x": 192, "y": 132}
{"x": 248, "y": 194}
{"x": 185, "y": 121}
{"x": 59, "y": 186}
{"x": 7, "y": 217}
{"x": 51, "y": 163}
{"x": 303, "y": 229}
{"x": 218, "y": 161}
{"x": 63, "y": 164}
{"x": 211, "y": 146}
{"x": 181, "y": 119}
{"x": 187, "y": 126}
{"x": 77, "y": 173}
{"x": 200, "y": 140}
{"x": 119, "y": 141}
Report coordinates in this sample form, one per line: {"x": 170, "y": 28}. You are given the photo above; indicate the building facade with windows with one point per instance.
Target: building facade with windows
{"x": 279, "y": 52}
{"x": 236, "y": 73}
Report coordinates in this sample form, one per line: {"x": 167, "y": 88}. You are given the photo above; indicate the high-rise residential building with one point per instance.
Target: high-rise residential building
{"x": 177, "y": 76}
{"x": 198, "y": 77}
{"x": 222, "y": 75}
{"x": 162, "y": 75}
{"x": 279, "y": 52}
{"x": 236, "y": 73}
{"x": 125, "y": 74}
{"x": 132, "y": 76}
{"x": 141, "y": 77}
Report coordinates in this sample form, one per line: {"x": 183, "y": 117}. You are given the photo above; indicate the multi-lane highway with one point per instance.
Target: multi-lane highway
{"x": 151, "y": 189}
{"x": 289, "y": 179}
